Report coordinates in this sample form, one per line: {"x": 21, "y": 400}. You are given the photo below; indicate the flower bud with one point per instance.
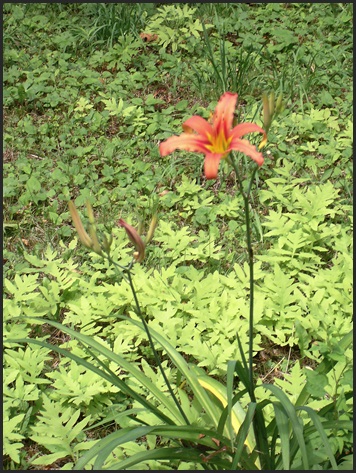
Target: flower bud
{"x": 135, "y": 238}
{"x": 92, "y": 229}
{"x": 106, "y": 244}
{"x": 152, "y": 228}
{"x": 140, "y": 227}
{"x": 266, "y": 112}
{"x": 83, "y": 236}
{"x": 279, "y": 104}
{"x": 271, "y": 104}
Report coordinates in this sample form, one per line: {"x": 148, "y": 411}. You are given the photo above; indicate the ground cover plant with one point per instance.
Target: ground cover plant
{"x": 90, "y": 92}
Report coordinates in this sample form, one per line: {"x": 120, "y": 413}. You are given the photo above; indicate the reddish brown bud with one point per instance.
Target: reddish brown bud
{"x": 135, "y": 238}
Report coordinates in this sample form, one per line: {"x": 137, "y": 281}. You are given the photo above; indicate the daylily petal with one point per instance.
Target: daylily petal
{"x": 224, "y": 113}
{"x": 215, "y": 138}
{"x": 263, "y": 142}
{"x": 198, "y": 124}
{"x": 186, "y": 141}
{"x": 243, "y": 128}
{"x": 211, "y": 165}
{"x": 244, "y": 146}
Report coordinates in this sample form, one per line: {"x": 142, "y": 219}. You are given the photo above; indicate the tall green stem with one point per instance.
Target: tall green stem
{"x": 258, "y": 420}
{"x": 245, "y": 196}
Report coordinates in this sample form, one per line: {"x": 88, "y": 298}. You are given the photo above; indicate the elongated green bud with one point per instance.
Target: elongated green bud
{"x": 266, "y": 112}
{"x": 92, "y": 229}
{"x": 279, "y": 104}
{"x": 271, "y": 104}
{"x": 152, "y": 229}
{"x": 140, "y": 227}
{"x": 90, "y": 213}
{"x": 83, "y": 236}
{"x": 106, "y": 243}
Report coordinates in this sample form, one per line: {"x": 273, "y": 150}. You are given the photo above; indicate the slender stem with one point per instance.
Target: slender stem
{"x": 250, "y": 256}
{"x": 245, "y": 196}
{"x": 158, "y": 361}
{"x": 127, "y": 273}
{"x": 258, "y": 419}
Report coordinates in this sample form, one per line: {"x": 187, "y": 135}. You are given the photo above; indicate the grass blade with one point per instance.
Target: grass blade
{"x": 229, "y": 392}
{"x": 295, "y": 421}
{"x": 105, "y": 446}
{"x": 168, "y": 453}
{"x": 115, "y": 381}
{"x": 243, "y": 433}
{"x": 189, "y": 373}
{"x": 321, "y": 430}
{"x": 120, "y": 361}
{"x": 283, "y": 430}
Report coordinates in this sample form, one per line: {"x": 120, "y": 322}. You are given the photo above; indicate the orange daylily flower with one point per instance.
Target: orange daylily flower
{"x": 215, "y": 139}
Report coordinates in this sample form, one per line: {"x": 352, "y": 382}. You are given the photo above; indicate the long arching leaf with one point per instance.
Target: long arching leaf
{"x": 320, "y": 428}
{"x": 109, "y": 355}
{"x": 295, "y": 421}
{"x": 114, "y": 380}
{"x": 105, "y": 446}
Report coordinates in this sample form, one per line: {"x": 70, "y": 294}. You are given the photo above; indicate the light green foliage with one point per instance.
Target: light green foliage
{"x": 29, "y": 363}
{"x": 59, "y": 431}
{"x": 80, "y": 387}
{"x": 187, "y": 295}
{"x": 175, "y": 26}
{"x": 181, "y": 246}
{"x": 86, "y": 103}
{"x": 23, "y": 384}
{"x": 306, "y": 236}
{"x": 12, "y": 427}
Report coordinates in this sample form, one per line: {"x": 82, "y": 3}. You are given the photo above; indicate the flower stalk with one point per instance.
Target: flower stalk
{"x": 245, "y": 196}
{"x": 92, "y": 242}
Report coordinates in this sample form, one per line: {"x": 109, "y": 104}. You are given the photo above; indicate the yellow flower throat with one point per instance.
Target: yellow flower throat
{"x": 219, "y": 143}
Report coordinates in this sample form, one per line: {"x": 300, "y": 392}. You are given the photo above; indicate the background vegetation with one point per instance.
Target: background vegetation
{"x": 89, "y": 92}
